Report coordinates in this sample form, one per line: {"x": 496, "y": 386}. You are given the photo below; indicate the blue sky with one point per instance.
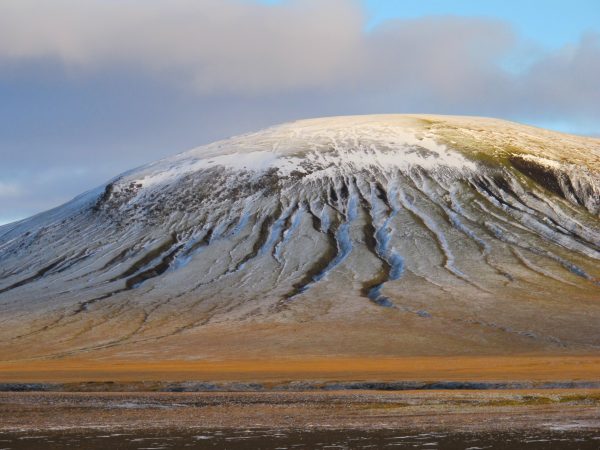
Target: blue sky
{"x": 91, "y": 88}
{"x": 551, "y": 23}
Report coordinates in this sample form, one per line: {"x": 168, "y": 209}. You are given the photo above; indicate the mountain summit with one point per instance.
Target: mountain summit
{"x": 365, "y": 235}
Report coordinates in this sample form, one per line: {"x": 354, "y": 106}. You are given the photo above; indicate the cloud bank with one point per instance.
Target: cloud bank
{"x": 244, "y": 48}
{"x": 95, "y": 86}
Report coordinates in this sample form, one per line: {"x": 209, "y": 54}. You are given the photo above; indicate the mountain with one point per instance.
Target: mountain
{"x": 369, "y": 235}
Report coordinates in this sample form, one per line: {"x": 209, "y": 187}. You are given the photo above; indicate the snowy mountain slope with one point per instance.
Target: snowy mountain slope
{"x": 453, "y": 232}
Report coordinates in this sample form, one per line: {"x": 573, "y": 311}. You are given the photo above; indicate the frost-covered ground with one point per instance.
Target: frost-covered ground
{"x": 357, "y": 235}
{"x": 285, "y": 420}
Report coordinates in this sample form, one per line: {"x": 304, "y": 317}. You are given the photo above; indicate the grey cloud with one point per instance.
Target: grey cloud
{"x": 216, "y": 45}
{"x": 440, "y": 60}
{"x": 567, "y": 80}
{"x": 249, "y": 49}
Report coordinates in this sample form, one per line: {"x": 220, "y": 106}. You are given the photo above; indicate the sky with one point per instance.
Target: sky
{"x": 91, "y": 88}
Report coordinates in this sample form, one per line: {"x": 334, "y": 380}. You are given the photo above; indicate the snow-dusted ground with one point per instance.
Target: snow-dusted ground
{"x": 486, "y": 223}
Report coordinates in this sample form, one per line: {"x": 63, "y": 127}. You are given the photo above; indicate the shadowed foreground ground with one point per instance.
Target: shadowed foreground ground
{"x": 277, "y": 439}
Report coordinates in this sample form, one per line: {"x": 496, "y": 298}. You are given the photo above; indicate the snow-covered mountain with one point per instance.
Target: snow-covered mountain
{"x": 420, "y": 234}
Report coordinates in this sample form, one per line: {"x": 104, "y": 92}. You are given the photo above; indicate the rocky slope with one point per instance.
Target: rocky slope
{"x": 380, "y": 235}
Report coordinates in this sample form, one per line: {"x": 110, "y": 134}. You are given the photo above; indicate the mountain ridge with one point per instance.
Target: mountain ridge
{"x": 434, "y": 224}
